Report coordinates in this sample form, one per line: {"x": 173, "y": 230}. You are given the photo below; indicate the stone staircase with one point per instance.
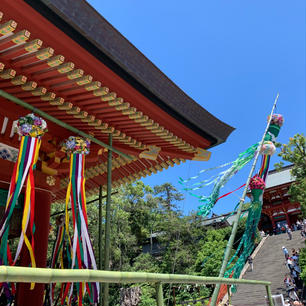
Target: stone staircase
{"x": 269, "y": 265}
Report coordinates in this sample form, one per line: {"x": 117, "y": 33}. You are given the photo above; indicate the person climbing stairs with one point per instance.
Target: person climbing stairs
{"x": 269, "y": 265}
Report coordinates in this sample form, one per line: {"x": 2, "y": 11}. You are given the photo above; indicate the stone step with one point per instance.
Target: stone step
{"x": 269, "y": 265}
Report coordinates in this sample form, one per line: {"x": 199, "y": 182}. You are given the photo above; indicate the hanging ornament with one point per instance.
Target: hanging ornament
{"x": 76, "y": 145}
{"x": 268, "y": 148}
{"x": 276, "y": 122}
{"x": 82, "y": 255}
{"x": 257, "y": 186}
{"x": 31, "y": 128}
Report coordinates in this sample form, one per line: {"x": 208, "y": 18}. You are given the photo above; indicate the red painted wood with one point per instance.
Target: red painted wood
{"x": 29, "y": 19}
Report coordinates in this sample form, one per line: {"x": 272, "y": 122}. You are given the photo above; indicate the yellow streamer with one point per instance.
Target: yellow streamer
{"x": 26, "y": 210}
{"x": 67, "y": 203}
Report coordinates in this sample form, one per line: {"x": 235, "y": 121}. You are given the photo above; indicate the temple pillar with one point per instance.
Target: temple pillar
{"x": 287, "y": 219}
{"x": 272, "y": 220}
{"x": 25, "y": 296}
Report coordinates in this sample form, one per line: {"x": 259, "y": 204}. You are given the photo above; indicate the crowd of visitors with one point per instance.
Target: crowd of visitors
{"x": 292, "y": 280}
{"x": 300, "y": 225}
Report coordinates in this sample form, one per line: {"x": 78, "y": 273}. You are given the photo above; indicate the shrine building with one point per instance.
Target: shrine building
{"x": 66, "y": 63}
{"x": 277, "y": 207}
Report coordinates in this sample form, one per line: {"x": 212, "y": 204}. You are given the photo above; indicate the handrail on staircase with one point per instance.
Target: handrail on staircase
{"x": 45, "y": 275}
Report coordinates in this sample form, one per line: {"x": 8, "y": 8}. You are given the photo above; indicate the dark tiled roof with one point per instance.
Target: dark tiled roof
{"x": 80, "y": 21}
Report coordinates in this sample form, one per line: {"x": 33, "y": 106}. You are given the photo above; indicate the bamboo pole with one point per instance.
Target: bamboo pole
{"x": 269, "y": 295}
{"x": 236, "y": 222}
{"x": 100, "y": 240}
{"x": 47, "y": 276}
{"x": 159, "y": 294}
{"x": 107, "y": 220}
{"x": 59, "y": 122}
{"x": 89, "y": 202}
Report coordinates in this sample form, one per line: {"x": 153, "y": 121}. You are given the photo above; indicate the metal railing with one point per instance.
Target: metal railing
{"x": 45, "y": 275}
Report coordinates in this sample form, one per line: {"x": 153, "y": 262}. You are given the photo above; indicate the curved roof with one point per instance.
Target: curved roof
{"x": 66, "y": 60}
{"x": 89, "y": 29}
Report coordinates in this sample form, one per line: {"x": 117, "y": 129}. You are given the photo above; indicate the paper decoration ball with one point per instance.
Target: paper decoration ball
{"x": 268, "y": 148}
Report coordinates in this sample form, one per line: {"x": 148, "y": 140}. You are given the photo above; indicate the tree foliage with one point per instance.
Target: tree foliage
{"x": 295, "y": 153}
{"x": 140, "y": 216}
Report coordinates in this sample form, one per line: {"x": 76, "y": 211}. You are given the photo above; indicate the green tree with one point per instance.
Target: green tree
{"x": 210, "y": 255}
{"x": 295, "y": 153}
{"x": 168, "y": 195}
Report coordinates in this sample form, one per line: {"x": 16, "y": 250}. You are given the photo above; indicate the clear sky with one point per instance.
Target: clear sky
{"x": 232, "y": 57}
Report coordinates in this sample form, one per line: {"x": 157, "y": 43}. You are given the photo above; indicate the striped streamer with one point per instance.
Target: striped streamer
{"x": 81, "y": 250}
{"x": 57, "y": 260}
{"x": 264, "y": 168}
{"x": 23, "y": 173}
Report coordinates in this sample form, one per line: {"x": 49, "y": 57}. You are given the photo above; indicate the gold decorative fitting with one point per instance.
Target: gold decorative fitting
{"x": 84, "y": 80}
{"x": 65, "y": 68}
{"x": 34, "y": 45}
{"x": 74, "y": 110}
{"x": 89, "y": 118}
{"x": 130, "y": 111}
{"x": 123, "y": 106}
{"x": 103, "y": 126}
{"x": 50, "y": 180}
{"x": 81, "y": 115}
{"x": 93, "y": 86}
{"x": 48, "y": 96}
{"x": 142, "y": 119}
{"x": 19, "y": 80}
{"x": 39, "y": 91}
{"x": 65, "y": 106}
{"x": 57, "y": 101}
{"x": 44, "y": 53}
{"x": 148, "y": 123}
{"x": 7, "y": 74}
{"x": 8, "y": 27}
{"x": 136, "y": 115}
{"x": 101, "y": 91}
{"x": 115, "y": 102}
{"x": 20, "y": 37}
{"x": 56, "y": 61}
{"x": 96, "y": 122}
{"x": 29, "y": 86}
{"x": 75, "y": 74}
{"x": 109, "y": 96}
{"x": 116, "y": 133}
{"x": 202, "y": 155}
{"x": 151, "y": 153}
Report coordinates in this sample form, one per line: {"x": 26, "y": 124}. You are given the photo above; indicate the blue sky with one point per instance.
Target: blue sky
{"x": 232, "y": 57}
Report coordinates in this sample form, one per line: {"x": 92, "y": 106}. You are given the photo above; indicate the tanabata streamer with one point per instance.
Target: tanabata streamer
{"x": 57, "y": 260}
{"x": 207, "y": 202}
{"x": 257, "y": 186}
{"x": 81, "y": 251}
{"x": 31, "y": 128}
